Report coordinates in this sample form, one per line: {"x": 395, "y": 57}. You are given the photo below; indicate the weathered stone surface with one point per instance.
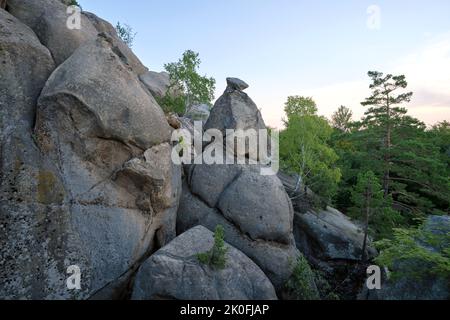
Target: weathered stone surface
{"x": 235, "y": 110}
{"x": 277, "y": 260}
{"x": 173, "y": 121}
{"x": 329, "y": 235}
{"x": 236, "y": 84}
{"x": 198, "y": 112}
{"x": 2, "y": 4}
{"x": 255, "y": 210}
{"x": 259, "y": 205}
{"x": 48, "y": 19}
{"x": 96, "y": 79}
{"x": 31, "y": 191}
{"x": 21, "y": 77}
{"x": 174, "y": 272}
{"x": 103, "y": 26}
{"x": 67, "y": 196}
{"x": 151, "y": 173}
{"x": 157, "y": 83}
{"x": 209, "y": 181}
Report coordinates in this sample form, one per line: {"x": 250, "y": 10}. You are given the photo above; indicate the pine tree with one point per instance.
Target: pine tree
{"x": 216, "y": 257}
{"x": 399, "y": 150}
{"x": 370, "y": 206}
{"x": 342, "y": 119}
{"x": 385, "y": 113}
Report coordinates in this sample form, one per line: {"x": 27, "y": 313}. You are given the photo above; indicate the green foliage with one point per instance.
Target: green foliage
{"x": 126, "y": 33}
{"x": 170, "y": 103}
{"x": 370, "y": 206}
{"x": 74, "y": 3}
{"x": 304, "y": 149}
{"x": 323, "y": 286}
{"x": 384, "y": 100}
{"x": 342, "y": 119}
{"x": 216, "y": 257}
{"x": 301, "y": 284}
{"x": 411, "y": 162}
{"x": 300, "y": 106}
{"x": 184, "y": 76}
{"x": 412, "y": 247}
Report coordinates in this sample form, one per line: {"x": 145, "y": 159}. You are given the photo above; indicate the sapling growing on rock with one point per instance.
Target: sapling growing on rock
{"x": 216, "y": 257}
{"x": 301, "y": 285}
{"x": 126, "y": 33}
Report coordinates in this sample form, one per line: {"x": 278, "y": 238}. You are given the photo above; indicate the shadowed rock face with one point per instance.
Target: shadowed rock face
{"x": 329, "y": 235}
{"x": 333, "y": 245}
{"x": 174, "y": 272}
{"x": 86, "y": 177}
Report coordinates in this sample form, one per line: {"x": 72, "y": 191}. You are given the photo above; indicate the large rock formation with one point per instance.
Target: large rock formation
{"x": 86, "y": 173}
{"x": 255, "y": 210}
{"x": 87, "y": 179}
{"x": 174, "y": 272}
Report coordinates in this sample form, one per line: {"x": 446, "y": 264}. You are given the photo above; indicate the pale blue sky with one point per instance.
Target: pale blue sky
{"x": 285, "y": 47}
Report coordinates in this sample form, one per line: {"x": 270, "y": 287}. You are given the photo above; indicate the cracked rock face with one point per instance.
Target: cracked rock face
{"x": 259, "y": 228}
{"x": 86, "y": 177}
{"x": 174, "y": 272}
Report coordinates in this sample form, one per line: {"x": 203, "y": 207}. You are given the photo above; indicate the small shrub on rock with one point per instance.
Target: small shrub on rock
{"x": 301, "y": 285}
{"x": 216, "y": 257}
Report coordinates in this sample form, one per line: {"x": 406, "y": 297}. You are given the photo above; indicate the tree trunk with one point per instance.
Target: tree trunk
{"x": 366, "y": 225}
{"x": 387, "y": 155}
